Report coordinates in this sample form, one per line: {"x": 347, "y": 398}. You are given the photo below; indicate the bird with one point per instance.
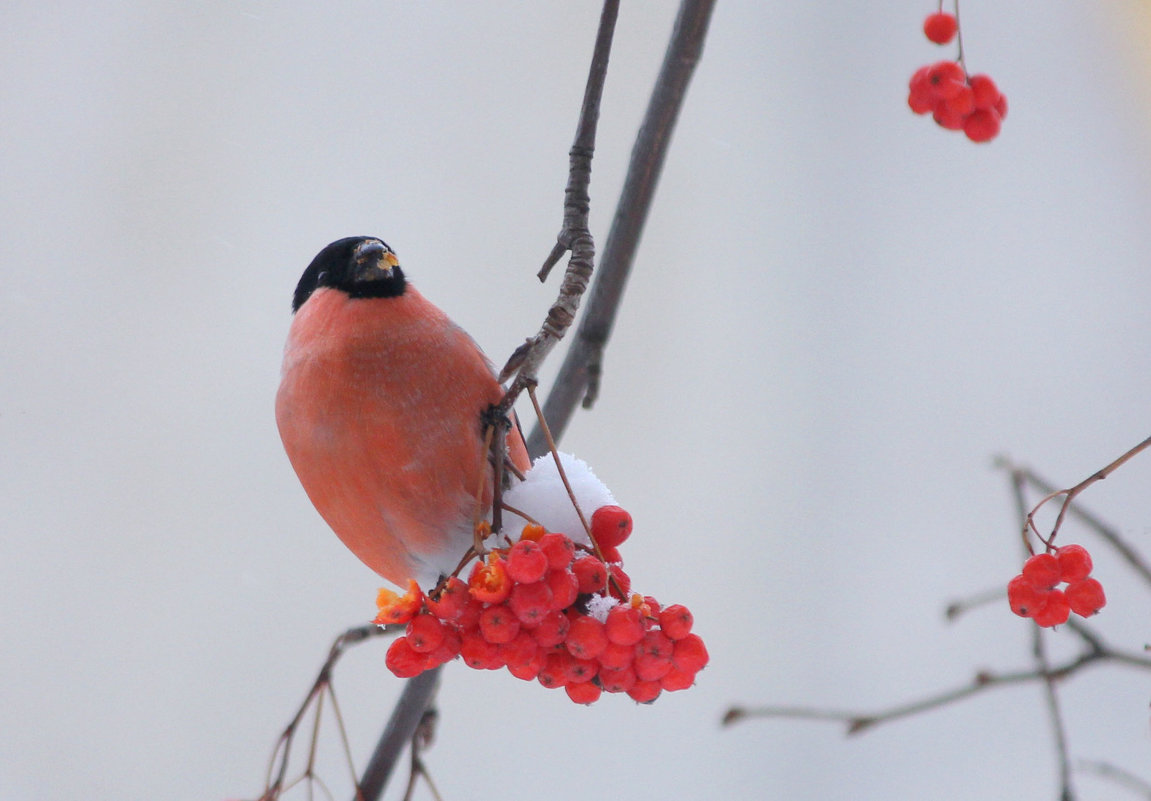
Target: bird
{"x": 382, "y": 408}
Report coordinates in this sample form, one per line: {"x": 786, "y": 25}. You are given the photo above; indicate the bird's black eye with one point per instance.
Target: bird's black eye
{"x": 321, "y": 277}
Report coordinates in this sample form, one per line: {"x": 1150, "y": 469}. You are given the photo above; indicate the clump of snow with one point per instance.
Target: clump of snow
{"x": 542, "y": 495}
{"x": 599, "y": 605}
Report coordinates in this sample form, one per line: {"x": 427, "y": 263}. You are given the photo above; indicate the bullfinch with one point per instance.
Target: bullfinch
{"x": 381, "y": 409}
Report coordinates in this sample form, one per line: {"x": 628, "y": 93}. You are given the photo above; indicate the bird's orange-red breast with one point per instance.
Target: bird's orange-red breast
{"x": 380, "y": 409}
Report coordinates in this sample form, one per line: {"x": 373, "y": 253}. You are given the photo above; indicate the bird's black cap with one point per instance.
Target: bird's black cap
{"x": 361, "y": 266}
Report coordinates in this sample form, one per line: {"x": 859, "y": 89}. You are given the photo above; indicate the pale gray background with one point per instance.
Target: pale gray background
{"x": 840, "y": 313}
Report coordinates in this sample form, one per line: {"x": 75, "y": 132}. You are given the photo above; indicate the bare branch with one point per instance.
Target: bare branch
{"x": 1108, "y": 533}
{"x": 1118, "y": 775}
{"x": 583, "y": 361}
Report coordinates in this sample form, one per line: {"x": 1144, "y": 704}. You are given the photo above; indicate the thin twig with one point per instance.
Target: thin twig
{"x": 1108, "y": 533}
{"x": 583, "y": 361}
{"x": 962, "y": 606}
{"x": 1039, "y": 650}
{"x": 1070, "y": 493}
{"x": 1126, "y": 778}
{"x": 575, "y": 235}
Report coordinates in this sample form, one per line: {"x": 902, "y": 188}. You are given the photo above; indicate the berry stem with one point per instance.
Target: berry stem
{"x": 959, "y": 37}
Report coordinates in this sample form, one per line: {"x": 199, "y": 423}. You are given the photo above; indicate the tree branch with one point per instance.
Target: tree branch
{"x": 582, "y": 365}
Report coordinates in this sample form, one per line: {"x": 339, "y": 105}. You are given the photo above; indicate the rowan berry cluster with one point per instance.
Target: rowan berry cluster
{"x": 1034, "y": 594}
{"x": 958, "y": 102}
{"x": 553, "y": 611}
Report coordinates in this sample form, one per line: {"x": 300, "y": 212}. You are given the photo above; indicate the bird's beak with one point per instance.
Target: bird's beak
{"x": 374, "y": 262}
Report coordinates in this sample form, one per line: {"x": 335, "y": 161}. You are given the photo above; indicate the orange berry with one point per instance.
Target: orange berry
{"x": 394, "y": 608}
{"x": 533, "y": 532}
{"x": 489, "y": 581}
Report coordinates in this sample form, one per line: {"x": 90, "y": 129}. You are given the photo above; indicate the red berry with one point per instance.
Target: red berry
{"x": 982, "y": 125}
{"x": 527, "y": 563}
{"x": 1055, "y": 612}
{"x": 489, "y": 581}
{"x": 449, "y": 649}
{"x": 945, "y": 79}
{"x": 611, "y": 555}
{"x": 564, "y": 586}
{"x": 1024, "y": 599}
{"x": 478, "y": 653}
{"x": 624, "y": 625}
{"x": 498, "y": 624}
{"x": 583, "y": 693}
{"x": 559, "y": 548}
{"x": 529, "y": 670}
{"x": 676, "y": 679}
{"x": 578, "y": 670}
{"x": 653, "y": 656}
{"x": 690, "y": 654}
{"x": 552, "y": 674}
{"x": 1074, "y": 563}
{"x": 1085, "y": 597}
{"x": 985, "y": 91}
{"x": 552, "y": 630}
{"x": 617, "y": 681}
{"x": 940, "y": 27}
{"x": 591, "y": 573}
{"x": 520, "y": 650}
{"x": 620, "y": 585}
{"x": 454, "y": 598}
{"x": 403, "y": 661}
{"x": 1042, "y": 571}
{"x": 617, "y": 657}
{"x": 586, "y": 639}
{"x": 530, "y": 602}
{"x": 610, "y": 526}
{"x": 1001, "y": 107}
{"x": 946, "y": 118}
{"x": 425, "y": 633}
{"x": 962, "y": 103}
{"x": 920, "y": 97}
{"x": 644, "y": 692}
{"x": 675, "y": 621}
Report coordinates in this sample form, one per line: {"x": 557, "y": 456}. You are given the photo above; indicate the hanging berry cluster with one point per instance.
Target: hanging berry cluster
{"x": 548, "y": 613}
{"x": 958, "y": 102}
{"x": 1034, "y": 594}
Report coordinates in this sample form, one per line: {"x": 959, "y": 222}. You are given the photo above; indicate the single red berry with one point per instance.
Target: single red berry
{"x": 920, "y": 97}
{"x": 478, "y": 653}
{"x": 591, "y": 573}
{"x": 454, "y": 598}
{"x": 520, "y": 650}
{"x": 578, "y": 670}
{"x": 586, "y": 639}
{"x": 624, "y": 625}
{"x": 610, "y": 526}
{"x": 469, "y": 620}
{"x": 552, "y": 629}
{"x": 403, "y": 661}
{"x": 677, "y": 679}
{"x": 620, "y": 584}
{"x": 529, "y": 670}
{"x": 559, "y": 548}
{"x": 449, "y": 649}
{"x": 962, "y": 103}
{"x": 1042, "y": 570}
{"x": 618, "y": 657}
{"x": 1085, "y": 597}
{"x": 552, "y": 674}
{"x": 653, "y": 657}
{"x": 611, "y": 555}
{"x": 984, "y": 90}
{"x": 982, "y": 125}
{"x": 675, "y": 621}
{"x": 1074, "y": 563}
{"x": 1055, "y": 612}
{"x": 498, "y": 624}
{"x": 585, "y": 692}
{"x": 1024, "y": 599}
{"x": 940, "y": 27}
{"x": 527, "y": 563}
{"x": 690, "y": 654}
{"x": 946, "y": 118}
{"x": 617, "y": 681}
{"x": 489, "y": 581}
{"x": 564, "y": 586}
{"x": 946, "y": 79}
{"x": 644, "y": 692}
{"x": 425, "y": 633}
{"x": 653, "y": 606}
{"x": 530, "y": 602}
